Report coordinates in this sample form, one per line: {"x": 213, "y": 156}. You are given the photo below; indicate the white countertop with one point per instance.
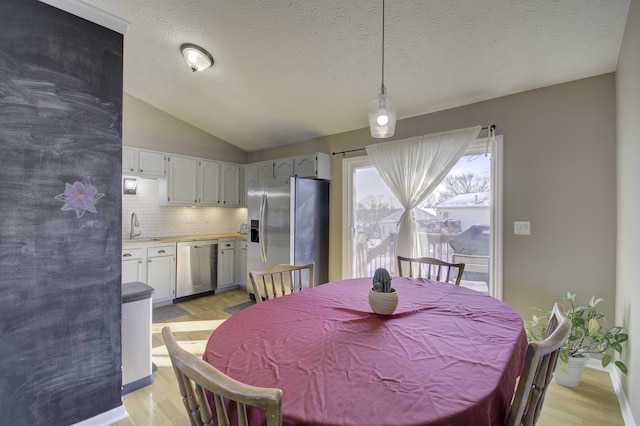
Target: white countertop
{"x": 180, "y": 238}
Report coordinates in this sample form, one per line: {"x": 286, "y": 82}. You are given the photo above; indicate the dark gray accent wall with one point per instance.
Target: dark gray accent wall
{"x": 60, "y": 216}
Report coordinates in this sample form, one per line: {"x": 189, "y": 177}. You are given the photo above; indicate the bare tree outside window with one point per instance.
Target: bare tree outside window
{"x": 462, "y": 183}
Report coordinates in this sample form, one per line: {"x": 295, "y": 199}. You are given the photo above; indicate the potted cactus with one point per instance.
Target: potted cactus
{"x": 382, "y": 297}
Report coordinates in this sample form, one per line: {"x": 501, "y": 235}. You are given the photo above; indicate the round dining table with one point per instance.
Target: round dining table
{"x": 448, "y": 355}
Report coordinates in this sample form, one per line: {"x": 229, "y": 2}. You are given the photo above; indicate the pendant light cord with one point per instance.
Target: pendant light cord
{"x": 382, "y": 46}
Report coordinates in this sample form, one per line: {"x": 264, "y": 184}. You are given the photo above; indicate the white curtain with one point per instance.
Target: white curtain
{"x": 412, "y": 168}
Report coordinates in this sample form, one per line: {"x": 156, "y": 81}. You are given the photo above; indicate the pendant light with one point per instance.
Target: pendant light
{"x": 382, "y": 109}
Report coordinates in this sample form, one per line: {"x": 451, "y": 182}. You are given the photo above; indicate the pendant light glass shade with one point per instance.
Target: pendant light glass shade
{"x": 197, "y": 58}
{"x": 382, "y": 110}
{"x": 382, "y": 115}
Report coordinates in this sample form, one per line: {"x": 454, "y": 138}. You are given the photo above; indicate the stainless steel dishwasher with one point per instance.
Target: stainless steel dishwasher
{"x": 197, "y": 270}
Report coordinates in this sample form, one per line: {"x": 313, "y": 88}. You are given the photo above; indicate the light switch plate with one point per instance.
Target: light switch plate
{"x": 522, "y": 228}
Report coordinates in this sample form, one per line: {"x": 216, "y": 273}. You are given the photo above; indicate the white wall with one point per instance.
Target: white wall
{"x": 628, "y": 214}
{"x": 144, "y": 126}
{"x": 157, "y": 221}
{"x": 559, "y": 164}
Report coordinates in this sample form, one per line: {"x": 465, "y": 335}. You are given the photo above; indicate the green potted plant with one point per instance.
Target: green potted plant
{"x": 587, "y": 337}
{"x": 382, "y": 297}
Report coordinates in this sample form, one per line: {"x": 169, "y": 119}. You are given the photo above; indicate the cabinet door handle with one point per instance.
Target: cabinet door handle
{"x": 149, "y": 260}
{"x": 141, "y": 170}
{"x": 126, "y": 255}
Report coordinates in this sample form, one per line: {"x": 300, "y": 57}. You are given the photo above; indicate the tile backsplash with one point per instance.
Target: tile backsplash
{"x": 163, "y": 221}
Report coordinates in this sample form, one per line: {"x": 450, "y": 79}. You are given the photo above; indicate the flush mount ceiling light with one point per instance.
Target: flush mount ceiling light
{"x": 382, "y": 110}
{"x": 197, "y": 58}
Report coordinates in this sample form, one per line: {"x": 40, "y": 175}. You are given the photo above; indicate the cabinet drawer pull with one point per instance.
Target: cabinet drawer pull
{"x": 161, "y": 251}
{"x": 126, "y": 255}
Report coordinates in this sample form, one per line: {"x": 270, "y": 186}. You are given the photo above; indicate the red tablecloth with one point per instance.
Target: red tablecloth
{"x": 448, "y": 355}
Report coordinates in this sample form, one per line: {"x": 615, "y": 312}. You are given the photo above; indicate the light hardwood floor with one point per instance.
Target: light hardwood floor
{"x": 592, "y": 403}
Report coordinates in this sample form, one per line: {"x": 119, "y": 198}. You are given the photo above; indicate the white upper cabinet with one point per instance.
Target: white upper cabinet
{"x": 142, "y": 162}
{"x": 182, "y": 181}
{"x": 283, "y": 168}
{"x": 250, "y": 173}
{"x": 199, "y": 182}
{"x": 209, "y": 188}
{"x": 229, "y": 184}
{"x": 317, "y": 165}
{"x": 265, "y": 170}
{"x": 129, "y": 161}
{"x": 151, "y": 163}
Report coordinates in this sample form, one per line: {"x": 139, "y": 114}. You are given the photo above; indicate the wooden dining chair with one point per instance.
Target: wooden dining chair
{"x": 281, "y": 280}
{"x": 195, "y": 375}
{"x": 539, "y": 364}
{"x": 431, "y": 268}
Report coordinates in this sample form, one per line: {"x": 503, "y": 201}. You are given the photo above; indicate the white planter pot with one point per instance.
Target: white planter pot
{"x": 570, "y": 374}
{"x": 383, "y": 303}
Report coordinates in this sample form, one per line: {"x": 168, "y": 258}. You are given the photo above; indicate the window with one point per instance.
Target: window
{"x": 459, "y": 221}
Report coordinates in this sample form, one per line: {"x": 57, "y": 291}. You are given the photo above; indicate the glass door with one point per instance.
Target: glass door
{"x": 458, "y": 222}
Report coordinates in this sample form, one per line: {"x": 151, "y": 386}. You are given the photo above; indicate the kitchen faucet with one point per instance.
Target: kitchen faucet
{"x": 134, "y": 223}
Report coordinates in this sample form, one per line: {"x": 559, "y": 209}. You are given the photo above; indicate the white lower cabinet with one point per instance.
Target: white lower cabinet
{"x": 134, "y": 266}
{"x": 155, "y": 265}
{"x": 241, "y": 261}
{"x": 226, "y": 263}
{"x": 161, "y": 272}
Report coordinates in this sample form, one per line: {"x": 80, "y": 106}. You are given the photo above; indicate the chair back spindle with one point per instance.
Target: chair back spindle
{"x": 540, "y": 362}
{"x": 196, "y": 375}
{"x": 431, "y": 269}
{"x": 281, "y": 280}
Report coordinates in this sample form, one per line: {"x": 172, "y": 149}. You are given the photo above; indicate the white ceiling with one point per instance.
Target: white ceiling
{"x": 291, "y": 70}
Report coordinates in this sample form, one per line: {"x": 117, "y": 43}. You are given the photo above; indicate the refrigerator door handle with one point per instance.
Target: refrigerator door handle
{"x": 262, "y": 227}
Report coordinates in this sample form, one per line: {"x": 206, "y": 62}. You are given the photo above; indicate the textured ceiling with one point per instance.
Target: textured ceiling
{"x": 290, "y": 70}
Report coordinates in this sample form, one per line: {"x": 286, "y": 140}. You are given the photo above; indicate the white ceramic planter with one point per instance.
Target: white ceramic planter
{"x": 570, "y": 374}
{"x": 383, "y": 303}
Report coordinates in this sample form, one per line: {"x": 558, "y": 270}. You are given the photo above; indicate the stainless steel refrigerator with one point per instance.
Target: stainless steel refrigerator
{"x": 289, "y": 223}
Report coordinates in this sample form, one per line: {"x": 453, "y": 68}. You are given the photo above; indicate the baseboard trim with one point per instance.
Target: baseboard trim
{"x": 137, "y": 384}
{"x": 625, "y": 406}
{"x": 107, "y": 418}
{"x": 616, "y": 382}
